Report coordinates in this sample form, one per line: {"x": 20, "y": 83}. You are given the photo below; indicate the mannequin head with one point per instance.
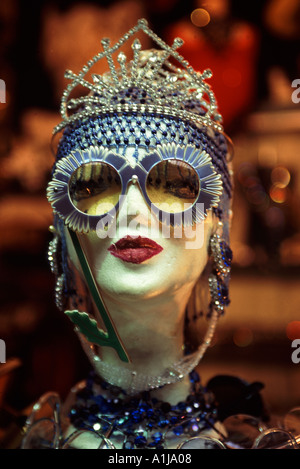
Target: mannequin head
{"x": 146, "y": 232}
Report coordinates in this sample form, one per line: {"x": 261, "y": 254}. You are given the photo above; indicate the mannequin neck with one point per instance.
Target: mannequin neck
{"x": 152, "y": 331}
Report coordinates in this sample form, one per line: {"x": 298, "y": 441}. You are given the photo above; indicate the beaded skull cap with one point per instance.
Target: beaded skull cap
{"x": 151, "y": 83}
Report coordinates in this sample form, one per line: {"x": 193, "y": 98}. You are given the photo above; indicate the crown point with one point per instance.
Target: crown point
{"x": 178, "y": 42}
{"x": 142, "y": 22}
{"x": 218, "y": 118}
{"x": 105, "y": 42}
{"x": 136, "y": 45}
{"x": 121, "y": 58}
{"x": 207, "y": 74}
{"x": 68, "y": 74}
{"x": 96, "y": 78}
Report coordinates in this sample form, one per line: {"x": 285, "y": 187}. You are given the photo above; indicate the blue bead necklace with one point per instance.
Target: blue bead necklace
{"x": 143, "y": 421}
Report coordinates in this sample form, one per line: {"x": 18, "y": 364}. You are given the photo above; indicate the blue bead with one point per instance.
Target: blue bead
{"x": 128, "y": 445}
{"x": 157, "y": 437}
{"x": 163, "y": 422}
{"x": 194, "y": 377}
{"x": 150, "y": 413}
{"x": 152, "y": 444}
{"x": 140, "y": 440}
{"x": 178, "y": 430}
{"x": 136, "y": 416}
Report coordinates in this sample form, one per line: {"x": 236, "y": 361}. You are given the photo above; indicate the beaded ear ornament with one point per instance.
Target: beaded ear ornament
{"x": 219, "y": 277}
{"x": 157, "y": 106}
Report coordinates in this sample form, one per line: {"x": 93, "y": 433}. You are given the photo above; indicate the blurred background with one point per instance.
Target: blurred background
{"x": 253, "y": 50}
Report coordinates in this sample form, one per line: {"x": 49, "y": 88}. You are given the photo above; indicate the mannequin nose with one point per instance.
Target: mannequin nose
{"x": 133, "y": 212}
{"x": 135, "y": 203}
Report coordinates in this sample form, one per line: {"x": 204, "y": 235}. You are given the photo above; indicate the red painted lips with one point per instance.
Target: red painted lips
{"x": 135, "y": 250}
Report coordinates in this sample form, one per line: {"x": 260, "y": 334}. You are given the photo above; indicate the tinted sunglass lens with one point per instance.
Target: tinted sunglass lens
{"x": 172, "y": 186}
{"x": 95, "y": 188}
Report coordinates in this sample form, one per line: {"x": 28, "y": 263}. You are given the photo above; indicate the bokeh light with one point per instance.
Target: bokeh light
{"x": 274, "y": 217}
{"x": 200, "y": 17}
{"x": 278, "y": 194}
{"x": 280, "y": 177}
{"x": 245, "y": 174}
{"x": 243, "y": 337}
{"x": 258, "y": 197}
{"x": 293, "y": 330}
{"x": 244, "y": 255}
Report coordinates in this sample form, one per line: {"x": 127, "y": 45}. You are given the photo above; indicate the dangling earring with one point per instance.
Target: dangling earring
{"x": 219, "y": 278}
{"x": 54, "y": 247}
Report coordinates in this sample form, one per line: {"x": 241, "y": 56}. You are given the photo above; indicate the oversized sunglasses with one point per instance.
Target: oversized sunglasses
{"x": 179, "y": 184}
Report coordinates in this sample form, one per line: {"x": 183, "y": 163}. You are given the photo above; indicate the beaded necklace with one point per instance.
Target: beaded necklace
{"x": 142, "y": 421}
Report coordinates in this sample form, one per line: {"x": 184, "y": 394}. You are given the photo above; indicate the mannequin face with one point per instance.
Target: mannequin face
{"x": 145, "y": 272}
{"x": 162, "y": 261}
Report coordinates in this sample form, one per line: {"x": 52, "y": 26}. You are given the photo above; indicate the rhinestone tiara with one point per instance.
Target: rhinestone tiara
{"x": 150, "y": 83}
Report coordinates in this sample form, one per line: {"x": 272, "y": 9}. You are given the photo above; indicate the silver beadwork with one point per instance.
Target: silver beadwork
{"x": 218, "y": 279}
{"x": 59, "y": 277}
{"x": 221, "y": 258}
{"x": 170, "y": 87}
{"x": 59, "y": 296}
{"x": 134, "y": 382}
